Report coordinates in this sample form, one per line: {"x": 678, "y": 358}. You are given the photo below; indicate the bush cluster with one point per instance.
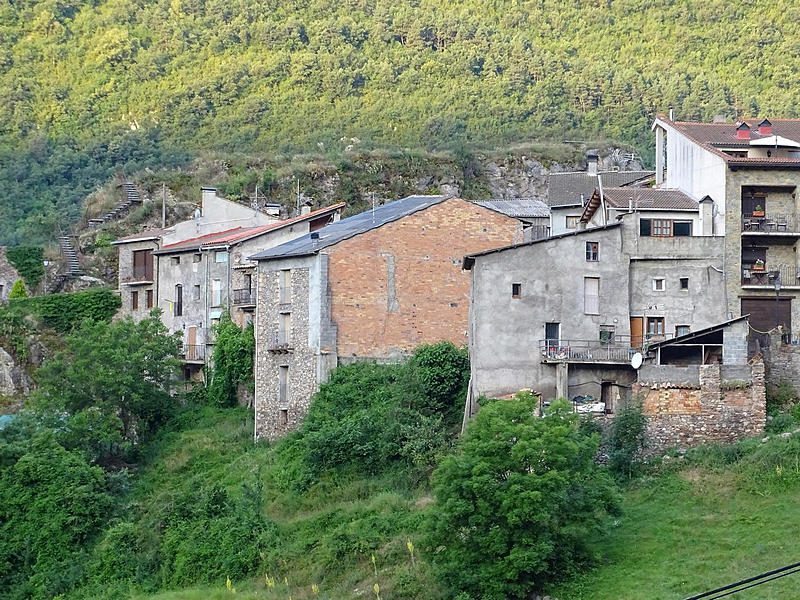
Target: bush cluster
{"x": 29, "y": 263}
{"x": 234, "y": 351}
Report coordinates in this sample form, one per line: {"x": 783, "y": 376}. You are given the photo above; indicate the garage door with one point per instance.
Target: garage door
{"x": 764, "y": 312}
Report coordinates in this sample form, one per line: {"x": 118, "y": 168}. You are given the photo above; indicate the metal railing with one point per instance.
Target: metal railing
{"x": 771, "y": 223}
{"x": 280, "y": 342}
{"x": 789, "y": 276}
{"x": 193, "y": 351}
{"x": 587, "y": 350}
{"x": 244, "y": 296}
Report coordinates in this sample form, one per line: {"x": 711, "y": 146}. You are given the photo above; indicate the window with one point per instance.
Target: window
{"x": 684, "y": 283}
{"x": 516, "y": 290}
{"x": 216, "y": 292}
{"x": 175, "y": 260}
{"x": 178, "y": 306}
{"x": 552, "y": 333}
{"x": 285, "y": 286}
{"x": 283, "y": 417}
{"x": 572, "y": 221}
{"x": 607, "y": 334}
{"x": 682, "y": 228}
{"x": 143, "y": 265}
{"x": 592, "y": 251}
{"x": 248, "y": 282}
{"x": 662, "y": 228}
{"x": 655, "y": 326}
{"x": 283, "y": 386}
{"x": 221, "y": 256}
{"x": 149, "y": 298}
{"x": 197, "y": 257}
{"x": 658, "y": 284}
{"x": 134, "y": 300}
{"x": 645, "y": 227}
{"x": 196, "y": 292}
{"x": 284, "y": 328}
{"x": 681, "y": 330}
{"x": 591, "y": 295}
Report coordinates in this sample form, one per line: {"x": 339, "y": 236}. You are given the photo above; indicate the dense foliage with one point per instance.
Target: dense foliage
{"x": 626, "y": 440}
{"x": 87, "y": 89}
{"x": 109, "y": 387}
{"x": 517, "y": 502}
{"x": 371, "y": 419}
{"x": 17, "y": 291}
{"x": 63, "y": 312}
{"x": 234, "y": 351}
{"x": 29, "y": 262}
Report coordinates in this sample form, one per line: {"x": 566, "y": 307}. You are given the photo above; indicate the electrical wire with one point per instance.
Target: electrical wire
{"x": 752, "y": 581}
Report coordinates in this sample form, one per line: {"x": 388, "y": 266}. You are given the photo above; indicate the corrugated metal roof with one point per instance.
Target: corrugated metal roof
{"x": 349, "y": 227}
{"x": 649, "y": 198}
{"x": 519, "y": 208}
{"x": 565, "y": 189}
{"x": 150, "y": 234}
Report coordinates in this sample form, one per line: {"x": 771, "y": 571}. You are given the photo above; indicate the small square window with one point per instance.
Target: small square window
{"x": 592, "y": 251}
{"x": 175, "y": 260}
{"x": 572, "y": 222}
{"x": 658, "y": 284}
{"x": 684, "y": 283}
{"x": 516, "y": 290}
{"x": 681, "y": 330}
{"x": 221, "y": 256}
{"x": 197, "y": 258}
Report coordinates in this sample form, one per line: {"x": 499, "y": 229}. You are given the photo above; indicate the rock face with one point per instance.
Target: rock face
{"x": 13, "y": 380}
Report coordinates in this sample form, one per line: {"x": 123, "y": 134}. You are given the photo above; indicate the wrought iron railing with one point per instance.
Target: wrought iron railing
{"x": 787, "y": 274}
{"x": 244, "y": 296}
{"x": 772, "y": 223}
{"x": 193, "y": 351}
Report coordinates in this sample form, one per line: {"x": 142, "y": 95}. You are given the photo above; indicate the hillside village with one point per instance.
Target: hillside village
{"x": 668, "y": 292}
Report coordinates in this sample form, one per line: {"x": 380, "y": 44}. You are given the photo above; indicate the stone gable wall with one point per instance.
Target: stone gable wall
{"x": 715, "y": 410}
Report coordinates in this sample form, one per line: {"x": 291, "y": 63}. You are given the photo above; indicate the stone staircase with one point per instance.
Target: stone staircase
{"x": 74, "y": 268}
{"x": 131, "y": 197}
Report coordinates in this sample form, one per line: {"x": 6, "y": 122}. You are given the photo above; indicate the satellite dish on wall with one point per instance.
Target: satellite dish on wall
{"x": 636, "y": 360}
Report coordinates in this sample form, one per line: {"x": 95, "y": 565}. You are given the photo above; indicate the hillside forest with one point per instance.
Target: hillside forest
{"x": 93, "y": 89}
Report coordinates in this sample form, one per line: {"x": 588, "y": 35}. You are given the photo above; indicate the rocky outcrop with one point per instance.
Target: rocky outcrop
{"x": 13, "y": 380}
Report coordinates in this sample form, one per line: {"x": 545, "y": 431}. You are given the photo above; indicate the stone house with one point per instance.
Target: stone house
{"x": 196, "y": 269}
{"x": 564, "y": 315}
{"x": 370, "y": 287}
{"x": 8, "y": 276}
{"x": 568, "y": 193}
{"x": 533, "y": 214}
{"x": 750, "y": 171}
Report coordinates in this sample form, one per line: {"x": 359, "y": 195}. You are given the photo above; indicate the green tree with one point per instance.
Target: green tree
{"x": 18, "y": 290}
{"x": 234, "y": 349}
{"x": 52, "y": 505}
{"x": 112, "y": 382}
{"x": 627, "y": 440}
{"x": 516, "y": 504}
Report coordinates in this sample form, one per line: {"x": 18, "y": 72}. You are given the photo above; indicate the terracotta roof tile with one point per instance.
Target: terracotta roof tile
{"x": 565, "y": 189}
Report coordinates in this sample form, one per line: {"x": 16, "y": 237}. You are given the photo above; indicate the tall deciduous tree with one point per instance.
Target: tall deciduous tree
{"x": 516, "y": 504}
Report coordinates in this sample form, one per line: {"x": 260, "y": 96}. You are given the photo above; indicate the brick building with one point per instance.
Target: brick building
{"x": 373, "y": 286}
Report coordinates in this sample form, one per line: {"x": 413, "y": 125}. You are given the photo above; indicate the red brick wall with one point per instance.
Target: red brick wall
{"x": 431, "y": 290}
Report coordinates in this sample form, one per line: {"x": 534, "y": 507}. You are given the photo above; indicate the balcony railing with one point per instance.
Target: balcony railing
{"x": 772, "y": 223}
{"x": 193, "y": 352}
{"x": 279, "y": 343}
{"x": 789, "y": 276}
{"x": 138, "y": 279}
{"x": 244, "y": 297}
{"x": 587, "y": 350}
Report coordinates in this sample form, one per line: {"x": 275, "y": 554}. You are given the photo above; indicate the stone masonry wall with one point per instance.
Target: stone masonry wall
{"x": 685, "y": 415}
{"x": 783, "y": 363}
{"x": 298, "y": 357}
{"x": 402, "y": 285}
{"x": 8, "y": 275}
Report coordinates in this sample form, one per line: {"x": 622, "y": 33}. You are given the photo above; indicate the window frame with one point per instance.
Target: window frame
{"x": 587, "y": 306}
{"x": 592, "y": 251}
{"x": 662, "y": 282}
{"x": 681, "y": 281}
{"x": 575, "y": 219}
{"x": 516, "y": 290}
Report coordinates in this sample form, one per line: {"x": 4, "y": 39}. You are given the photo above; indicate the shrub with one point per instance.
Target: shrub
{"x": 17, "y": 291}
{"x": 627, "y": 440}
{"x": 517, "y": 503}
{"x": 234, "y": 350}
{"x": 29, "y": 263}
{"x": 436, "y": 377}
{"x": 780, "y": 397}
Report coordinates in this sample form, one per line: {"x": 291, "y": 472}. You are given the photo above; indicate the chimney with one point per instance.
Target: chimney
{"x": 272, "y": 209}
{"x": 707, "y": 216}
{"x": 305, "y": 209}
{"x": 743, "y": 131}
{"x": 591, "y": 163}
{"x": 630, "y": 204}
{"x": 765, "y": 127}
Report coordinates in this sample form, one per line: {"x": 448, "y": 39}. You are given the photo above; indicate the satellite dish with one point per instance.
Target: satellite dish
{"x": 636, "y": 360}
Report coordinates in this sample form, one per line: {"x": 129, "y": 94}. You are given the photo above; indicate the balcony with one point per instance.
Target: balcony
{"x": 138, "y": 279}
{"x": 280, "y": 344}
{"x": 778, "y": 227}
{"x": 614, "y": 351}
{"x": 245, "y": 297}
{"x": 765, "y": 278}
{"x": 193, "y": 353}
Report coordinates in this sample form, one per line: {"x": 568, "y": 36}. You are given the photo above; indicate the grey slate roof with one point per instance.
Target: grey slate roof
{"x": 350, "y": 227}
{"x": 655, "y": 198}
{"x": 565, "y": 189}
{"x": 519, "y": 208}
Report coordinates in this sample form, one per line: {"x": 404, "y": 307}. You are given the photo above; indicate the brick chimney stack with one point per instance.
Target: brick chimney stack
{"x": 765, "y": 127}
{"x": 743, "y": 131}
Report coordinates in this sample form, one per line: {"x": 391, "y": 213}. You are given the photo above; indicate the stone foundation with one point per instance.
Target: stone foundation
{"x": 717, "y": 409}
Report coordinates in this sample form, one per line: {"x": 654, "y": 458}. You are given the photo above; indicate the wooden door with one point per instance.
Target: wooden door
{"x": 191, "y": 350}
{"x": 637, "y": 332}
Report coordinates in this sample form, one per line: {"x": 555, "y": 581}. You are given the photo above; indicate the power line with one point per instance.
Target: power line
{"x": 752, "y": 581}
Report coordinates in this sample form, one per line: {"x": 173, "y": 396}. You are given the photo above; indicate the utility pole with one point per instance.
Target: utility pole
{"x": 298, "y": 195}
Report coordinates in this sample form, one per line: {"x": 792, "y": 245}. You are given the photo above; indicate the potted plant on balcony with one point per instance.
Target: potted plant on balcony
{"x": 758, "y": 211}
{"x": 758, "y": 265}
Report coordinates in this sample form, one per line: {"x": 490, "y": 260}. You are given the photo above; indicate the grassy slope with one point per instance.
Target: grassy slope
{"x": 327, "y": 533}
